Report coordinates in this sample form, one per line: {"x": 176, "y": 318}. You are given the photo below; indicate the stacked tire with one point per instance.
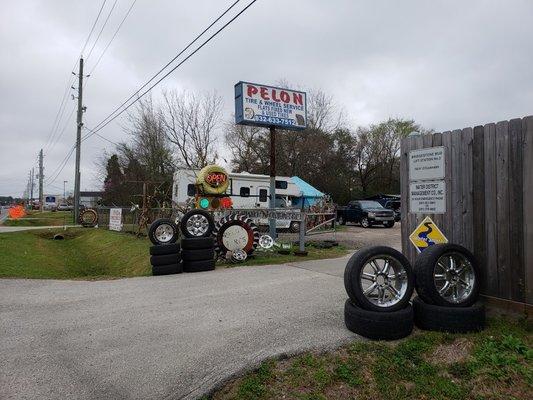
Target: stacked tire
{"x": 447, "y": 283}
{"x": 380, "y": 282}
{"x": 197, "y": 243}
{"x": 165, "y": 253}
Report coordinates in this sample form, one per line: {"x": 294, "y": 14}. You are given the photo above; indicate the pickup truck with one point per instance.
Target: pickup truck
{"x": 366, "y": 213}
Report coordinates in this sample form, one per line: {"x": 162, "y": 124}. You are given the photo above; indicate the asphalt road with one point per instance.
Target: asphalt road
{"x": 168, "y": 337}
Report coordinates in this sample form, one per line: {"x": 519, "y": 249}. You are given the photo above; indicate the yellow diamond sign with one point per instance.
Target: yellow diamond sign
{"x": 426, "y": 234}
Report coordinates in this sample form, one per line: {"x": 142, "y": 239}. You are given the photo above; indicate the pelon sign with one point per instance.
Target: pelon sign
{"x": 262, "y": 105}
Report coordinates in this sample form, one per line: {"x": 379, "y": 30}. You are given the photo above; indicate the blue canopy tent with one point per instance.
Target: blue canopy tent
{"x": 310, "y": 195}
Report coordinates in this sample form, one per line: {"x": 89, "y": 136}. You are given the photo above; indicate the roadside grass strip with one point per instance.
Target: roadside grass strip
{"x": 45, "y": 218}
{"x": 494, "y": 364}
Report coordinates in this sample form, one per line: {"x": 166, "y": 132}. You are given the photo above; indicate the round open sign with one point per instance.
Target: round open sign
{"x": 213, "y": 179}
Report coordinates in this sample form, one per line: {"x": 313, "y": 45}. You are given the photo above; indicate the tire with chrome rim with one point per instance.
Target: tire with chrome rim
{"x": 379, "y": 278}
{"x": 365, "y": 223}
{"x": 197, "y": 223}
{"x": 163, "y": 231}
{"x": 447, "y": 275}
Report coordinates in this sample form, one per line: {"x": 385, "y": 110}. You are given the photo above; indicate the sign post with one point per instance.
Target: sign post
{"x": 270, "y": 107}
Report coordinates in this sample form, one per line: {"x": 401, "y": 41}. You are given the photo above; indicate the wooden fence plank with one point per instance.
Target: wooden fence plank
{"x": 456, "y": 189}
{"x": 516, "y": 210}
{"x": 466, "y": 190}
{"x": 478, "y": 196}
{"x": 438, "y": 218}
{"x": 502, "y": 209}
{"x": 527, "y": 157}
{"x": 491, "y": 258}
{"x": 404, "y": 193}
{"x": 447, "y": 216}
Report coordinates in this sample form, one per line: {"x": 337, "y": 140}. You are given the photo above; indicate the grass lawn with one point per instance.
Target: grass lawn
{"x": 99, "y": 254}
{"x": 495, "y": 364}
{"x": 45, "y": 218}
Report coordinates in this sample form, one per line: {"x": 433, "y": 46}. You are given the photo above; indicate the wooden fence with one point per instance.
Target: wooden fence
{"x": 489, "y": 201}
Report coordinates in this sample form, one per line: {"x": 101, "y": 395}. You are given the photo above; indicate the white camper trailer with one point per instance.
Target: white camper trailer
{"x": 247, "y": 191}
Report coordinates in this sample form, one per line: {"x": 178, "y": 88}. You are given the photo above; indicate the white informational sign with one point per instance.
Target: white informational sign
{"x": 262, "y": 105}
{"x": 427, "y": 197}
{"x": 115, "y": 219}
{"x": 426, "y": 164}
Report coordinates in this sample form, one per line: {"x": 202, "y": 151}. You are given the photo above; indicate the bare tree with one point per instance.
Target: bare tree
{"x": 190, "y": 122}
{"x": 322, "y": 112}
{"x": 246, "y": 145}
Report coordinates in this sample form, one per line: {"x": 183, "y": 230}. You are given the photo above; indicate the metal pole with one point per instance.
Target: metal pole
{"x": 272, "y": 220}
{"x": 64, "y": 192}
{"x": 31, "y": 186}
{"x": 79, "y": 124}
{"x": 41, "y": 176}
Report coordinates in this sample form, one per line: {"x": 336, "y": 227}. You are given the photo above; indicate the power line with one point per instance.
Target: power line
{"x": 92, "y": 29}
{"x": 63, "y": 130}
{"x": 102, "y": 29}
{"x": 61, "y": 166}
{"x": 104, "y": 123}
{"x": 112, "y": 38}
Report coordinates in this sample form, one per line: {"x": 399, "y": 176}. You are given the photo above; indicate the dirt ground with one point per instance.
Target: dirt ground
{"x": 354, "y": 236}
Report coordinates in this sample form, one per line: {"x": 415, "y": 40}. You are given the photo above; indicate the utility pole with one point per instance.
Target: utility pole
{"x": 31, "y": 185}
{"x": 272, "y": 220}
{"x": 64, "y": 192}
{"x": 79, "y": 124}
{"x": 41, "y": 177}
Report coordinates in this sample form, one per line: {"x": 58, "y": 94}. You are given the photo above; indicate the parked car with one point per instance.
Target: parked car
{"x": 366, "y": 213}
{"x": 390, "y": 201}
{"x": 65, "y": 207}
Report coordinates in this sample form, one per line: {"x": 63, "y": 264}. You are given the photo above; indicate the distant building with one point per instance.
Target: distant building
{"x": 90, "y": 198}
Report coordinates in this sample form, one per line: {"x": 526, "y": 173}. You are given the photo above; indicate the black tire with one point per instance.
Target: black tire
{"x": 162, "y": 249}
{"x": 165, "y": 259}
{"x": 352, "y": 282}
{"x": 388, "y": 224}
{"x": 284, "y": 252}
{"x": 88, "y": 218}
{"x": 341, "y": 220}
{"x": 294, "y": 226}
{"x": 188, "y": 215}
{"x": 377, "y": 325}
{"x": 198, "y": 266}
{"x": 197, "y": 243}
{"x": 424, "y": 269}
{"x": 365, "y": 222}
{"x": 167, "y": 269}
{"x": 159, "y": 222}
{"x": 449, "y": 319}
{"x": 198, "y": 255}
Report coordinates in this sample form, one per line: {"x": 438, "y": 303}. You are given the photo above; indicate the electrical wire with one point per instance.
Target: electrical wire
{"x": 112, "y": 38}
{"x": 97, "y": 127}
{"x": 60, "y": 167}
{"x": 101, "y": 30}
{"x": 94, "y": 26}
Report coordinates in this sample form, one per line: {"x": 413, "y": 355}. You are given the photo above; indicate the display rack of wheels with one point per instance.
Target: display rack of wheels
{"x": 198, "y": 254}
{"x": 379, "y": 281}
{"x": 166, "y": 259}
{"x": 447, "y": 282}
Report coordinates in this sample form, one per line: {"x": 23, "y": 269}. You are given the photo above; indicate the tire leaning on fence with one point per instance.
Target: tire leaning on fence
{"x": 88, "y": 218}
{"x": 447, "y": 275}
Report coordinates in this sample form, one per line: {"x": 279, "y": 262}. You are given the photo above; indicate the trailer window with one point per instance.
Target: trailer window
{"x": 263, "y": 195}
{"x": 245, "y": 192}
{"x": 191, "y": 189}
{"x": 281, "y": 184}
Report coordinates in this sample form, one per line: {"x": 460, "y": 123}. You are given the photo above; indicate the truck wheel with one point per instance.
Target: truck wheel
{"x": 163, "y": 231}
{"x": 389, "y": 224}
{"x": 447, "y": 275}
{"x": 341, "y": 220}
{"x": 379, "y": 278}
{"x": 197, "y": 223}
{"x": 365, "y": 223}
{"x": 167, "y": 269}
{"x": 159, "y": 250}
{"x": 197, "y": 243}
{"x": 378, "y": 326}
{"x": 449, "y": 319}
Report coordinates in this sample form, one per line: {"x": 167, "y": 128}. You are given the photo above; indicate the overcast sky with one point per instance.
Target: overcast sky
{"x": 447, "y": 64}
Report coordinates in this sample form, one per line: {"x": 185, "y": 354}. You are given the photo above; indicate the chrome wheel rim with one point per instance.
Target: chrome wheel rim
{"x": 266, "y": 242}
{"x": 164, "y": 233}
{"x": 454, "y": 277}
{"x": 364, "y": 222}
{"x": 197, "y": 225}
{"x": 383, "y": 280}
{"x": 239, "y": 255}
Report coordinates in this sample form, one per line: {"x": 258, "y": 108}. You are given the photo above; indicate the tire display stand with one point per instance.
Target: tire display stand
{"x": 166, "y": 259}
{"x": 198, "y": 254}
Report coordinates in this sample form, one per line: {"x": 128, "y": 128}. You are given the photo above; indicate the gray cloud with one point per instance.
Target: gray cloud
{"x": 447, "y": 64}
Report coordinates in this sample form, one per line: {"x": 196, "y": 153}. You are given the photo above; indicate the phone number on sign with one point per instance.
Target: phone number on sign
{"x": 274, "y": 120}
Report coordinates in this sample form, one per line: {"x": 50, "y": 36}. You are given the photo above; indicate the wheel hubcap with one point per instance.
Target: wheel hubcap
{"x": 383, "y": 280}
{"x": 197, "y": 225}
{"x": 163, "y": 233}
{"x": 454, "y": 277}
